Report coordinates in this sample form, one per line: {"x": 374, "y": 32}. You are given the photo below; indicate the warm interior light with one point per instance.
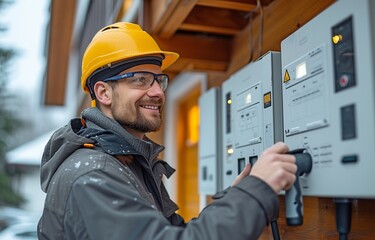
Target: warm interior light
{"x": 193, "y": 124}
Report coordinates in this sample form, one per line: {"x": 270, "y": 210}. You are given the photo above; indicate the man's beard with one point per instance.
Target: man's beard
{"x": 141, "y": 123}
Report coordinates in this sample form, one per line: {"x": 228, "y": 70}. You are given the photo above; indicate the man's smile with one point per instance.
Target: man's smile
{"x": 150, "y": 107}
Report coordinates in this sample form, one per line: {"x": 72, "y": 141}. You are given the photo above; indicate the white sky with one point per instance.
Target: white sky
{"x": 26, "y": 22}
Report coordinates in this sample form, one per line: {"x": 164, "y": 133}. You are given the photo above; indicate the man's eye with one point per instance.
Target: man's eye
{"x": 139, "y": 81}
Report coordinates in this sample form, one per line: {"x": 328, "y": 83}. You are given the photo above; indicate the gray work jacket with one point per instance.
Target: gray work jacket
{"x": 93, "y": 195}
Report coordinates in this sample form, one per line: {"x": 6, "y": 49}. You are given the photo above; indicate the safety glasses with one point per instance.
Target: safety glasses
{"x": 142, "y": 80}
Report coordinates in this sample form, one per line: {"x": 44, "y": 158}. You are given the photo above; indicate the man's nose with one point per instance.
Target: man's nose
{"x": 155, "y": 90}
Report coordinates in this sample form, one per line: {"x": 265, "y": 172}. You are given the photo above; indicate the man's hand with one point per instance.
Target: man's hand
{"x": 275, "y": 167}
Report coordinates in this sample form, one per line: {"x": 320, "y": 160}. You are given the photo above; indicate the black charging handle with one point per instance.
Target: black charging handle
{"x": 293, "y": 196}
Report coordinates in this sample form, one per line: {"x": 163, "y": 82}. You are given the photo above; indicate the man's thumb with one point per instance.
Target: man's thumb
{"x": 246, "y": 171}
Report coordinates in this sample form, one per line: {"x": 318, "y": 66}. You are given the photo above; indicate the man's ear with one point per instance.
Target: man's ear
{"x": 103, "y": 93}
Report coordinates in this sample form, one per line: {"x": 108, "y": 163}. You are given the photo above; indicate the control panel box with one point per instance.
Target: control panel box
{"x": 328, "y": 99}
{"x": 210, "y": 142}
{"x": 252, "y": 113}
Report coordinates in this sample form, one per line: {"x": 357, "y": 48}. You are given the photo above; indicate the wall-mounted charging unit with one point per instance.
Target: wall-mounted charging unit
{"x": 210, "y": 142}
{"x": 329, "y": 99}
{"x": 252, "y": 113}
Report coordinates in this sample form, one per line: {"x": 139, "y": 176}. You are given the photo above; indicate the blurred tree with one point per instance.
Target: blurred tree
{"x": 8, "y": 121}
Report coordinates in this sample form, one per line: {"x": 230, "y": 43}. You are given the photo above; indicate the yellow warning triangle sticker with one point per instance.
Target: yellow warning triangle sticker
{"x": 286, "y": 76}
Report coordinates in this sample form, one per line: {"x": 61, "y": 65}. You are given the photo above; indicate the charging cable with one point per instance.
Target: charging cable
{"x": 343, "y": 217}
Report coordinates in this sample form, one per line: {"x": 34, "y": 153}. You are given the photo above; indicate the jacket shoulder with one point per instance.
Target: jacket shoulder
{"x": 78, "y": 164}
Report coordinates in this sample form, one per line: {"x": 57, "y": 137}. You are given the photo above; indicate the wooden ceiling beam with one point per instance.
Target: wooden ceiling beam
{"x": 177, "y": 17}
{"x": 160, "y": 11}
{"x": 232, "y": 5}
{"x": 215, "y": 21}
{"x": 208, "y": 29}
{"x": 198, "y": 51}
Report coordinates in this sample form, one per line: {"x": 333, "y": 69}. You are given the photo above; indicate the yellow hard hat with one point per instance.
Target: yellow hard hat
{"x": 120, "y": 42}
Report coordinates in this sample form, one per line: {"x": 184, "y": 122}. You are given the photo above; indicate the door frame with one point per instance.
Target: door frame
{"x": 177, "y": 90}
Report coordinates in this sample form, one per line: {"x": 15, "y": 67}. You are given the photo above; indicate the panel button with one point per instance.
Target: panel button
{"x": 349, "y": 159}
{"x": 348, "y": 123}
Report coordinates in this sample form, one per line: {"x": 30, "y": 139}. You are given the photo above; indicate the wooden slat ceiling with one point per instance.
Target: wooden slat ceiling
{"x": 216, "y": 17}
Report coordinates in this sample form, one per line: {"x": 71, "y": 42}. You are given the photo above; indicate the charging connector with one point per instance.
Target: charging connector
{"x": 293, "y": 196}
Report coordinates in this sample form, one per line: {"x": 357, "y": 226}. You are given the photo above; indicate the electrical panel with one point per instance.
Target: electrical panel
{"x": 210, "y": 142}
{"x": 328, "y": 99}
{"x": 251, "y": 114}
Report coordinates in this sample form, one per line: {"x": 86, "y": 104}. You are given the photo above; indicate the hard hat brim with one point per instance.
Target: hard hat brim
{"x": 169, "y": 59}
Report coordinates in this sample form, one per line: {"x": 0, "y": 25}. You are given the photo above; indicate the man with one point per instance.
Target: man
{"x": 102, "y": 174}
